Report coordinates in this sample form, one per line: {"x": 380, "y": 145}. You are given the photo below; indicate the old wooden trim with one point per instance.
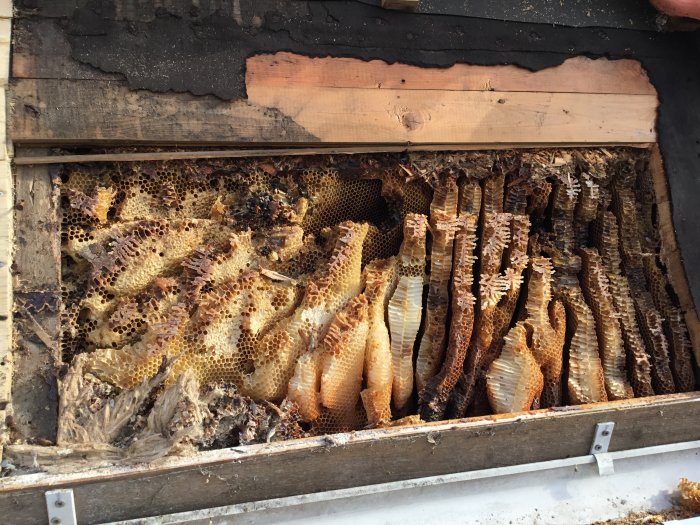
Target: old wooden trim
{"x": 275, "y": 470}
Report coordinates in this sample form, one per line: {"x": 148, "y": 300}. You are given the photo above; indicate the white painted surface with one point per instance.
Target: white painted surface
{"x": 561, "y": 492}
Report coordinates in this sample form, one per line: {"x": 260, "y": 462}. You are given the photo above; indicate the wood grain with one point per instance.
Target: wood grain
{"x": 6, "y": 249}
{"x": 575, "y": 75}
{"x": 275, "y": 470}
{"x": 437, "y": 116}
{"x": 299, "y": 100}
{"x": 88, "y": 112}
{"x": 38, "y": 250}
{"x": 37, "y": 289}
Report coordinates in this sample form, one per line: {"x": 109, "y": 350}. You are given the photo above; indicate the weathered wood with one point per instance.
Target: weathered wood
{"x": 34, "y": 406}
{"x": 36, "y": 270}
{"x": 417, "y": 116}
{"x": 87, "y": 112}
{"x": 575, "y": 75}
{"x": 36, "y": 265}
{"x": 283, "y": 469}
{"x": 6, "y": 247}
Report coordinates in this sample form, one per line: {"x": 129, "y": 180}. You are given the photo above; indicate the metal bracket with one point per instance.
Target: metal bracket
{"x": 599, "y": 448}
{"x": 60, "y": 506}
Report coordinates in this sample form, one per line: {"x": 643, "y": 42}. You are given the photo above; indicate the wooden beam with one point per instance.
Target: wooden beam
{"x": 259, "y": 472}
{"x": 575, "y": 75}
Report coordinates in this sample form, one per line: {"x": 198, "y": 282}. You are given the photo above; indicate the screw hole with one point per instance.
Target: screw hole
{"x": 55, "y": 521}
{"x": 59, "y": 503}
{"x": 598, "y": 447}
{"x": 605, "y": 432}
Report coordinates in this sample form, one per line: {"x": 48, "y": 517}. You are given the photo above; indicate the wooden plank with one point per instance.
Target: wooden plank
{"x": 670, "y": 254}
{"x": 54, "y": 111}
{"x": 575, "y": 75}
{"x": 5, "y": 8}
{"x": 283, "y": 469}
{"x": 37, "y": 299}
{"x": 417, "y": 116}
{"x": 403, "y": 5}
{"x": 59, "y": 112}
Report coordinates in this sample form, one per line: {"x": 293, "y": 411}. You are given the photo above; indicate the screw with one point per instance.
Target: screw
{"x": 55, "y": 521}
{"x": 598, "y": 447}
{"x": 59, "y": 503}
{"x": 605, "y": 432}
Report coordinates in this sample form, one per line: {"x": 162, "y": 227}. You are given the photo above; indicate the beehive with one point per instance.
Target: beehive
{"x": 341, "y": 292}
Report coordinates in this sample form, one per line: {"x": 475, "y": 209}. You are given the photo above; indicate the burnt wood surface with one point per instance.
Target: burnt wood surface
{"x": 276, "y": 470}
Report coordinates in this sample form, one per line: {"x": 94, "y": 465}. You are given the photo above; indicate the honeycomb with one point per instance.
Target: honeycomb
{"x": 212, "y": 303}
{"x": 379, "y": 287}
{"x": 443, "y": 226}
{"x": 597, "y": 292}
{"x": 607, "y": 241}
{"x": 435, "y": 396}
{"x": 406, "y": 306}
{"x": 514, "y": 381}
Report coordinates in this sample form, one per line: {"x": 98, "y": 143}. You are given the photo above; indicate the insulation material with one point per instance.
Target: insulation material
{"x": 223, "y": 302}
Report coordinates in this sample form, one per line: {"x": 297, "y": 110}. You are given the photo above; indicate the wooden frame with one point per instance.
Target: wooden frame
{"x": 409, "y": 110}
